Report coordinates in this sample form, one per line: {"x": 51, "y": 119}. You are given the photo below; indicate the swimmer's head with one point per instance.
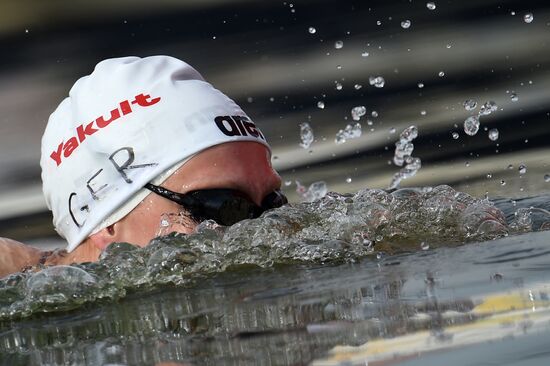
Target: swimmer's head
{"x": 131, "y": 122}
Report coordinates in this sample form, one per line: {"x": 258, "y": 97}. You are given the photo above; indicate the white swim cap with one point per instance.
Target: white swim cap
{"x": 121, "y": 127}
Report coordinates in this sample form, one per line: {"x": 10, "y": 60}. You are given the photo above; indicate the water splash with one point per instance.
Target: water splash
{"x": 403, "y": 150}
{"x": 377, "y": 81}
{"x": 334, "y": 228}
{"x": 306, "y": 135}
{"x": 471, "y": 125}
{"x": 351, "y": 131}
{"x": 493, "y": 134}
{"x": 469, "y": 104}
{"x": 488, "y": 108}
{"x": 316, "y": 190}
{"x": 358, "y": 112}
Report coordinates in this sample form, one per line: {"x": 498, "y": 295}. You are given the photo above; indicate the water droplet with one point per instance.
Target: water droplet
{"x": 378, "y": 22}
{"x": 522, "y": 169}
{"x": 489, "y": 176}
{"x": 420, "y": 85}
{"x": 441, "y": 74}
{"x": 338, "y": 44}
{"x": 493, "y": 134}
{"x": 510, "y": 167}
{"x": 288, "y": 183}
{"x": 377, "y": 81}
{"x": 469, "y": 104}
{"x": 423, "y": 112}
{"x": 358, "y": 112}
{"x": 471, "y": 125}
{"x": 430, "y": 5}
{"x": 487, "y": 108}
{"x": 547, "y": 178}
{"x": 424, "y": 246}
{"x": 467, "y": 164}
{"x": 405, "y": 24}
{"x": 455, "y": 135}
{"x": 365, "y": 54}
{"x": 528, "y": 18}
{"x": 374, "y": 114}
{"x": 26, "y": 31}
{"x": 350, "y": 132}
{"x": 339, "y": 67}
{"x": 306, "y": 135}
{"x": 338, "y": 86}
{"x": 348, "y": 180}
{"x": 321, "y": 104}
{"x": 312, "y": 30}
{"x": 448, "y": 45}
{"x": 249, "y": 99}
{"x": 358, "y": 86}
{"x": 392, "y": 130}
{"x": 514, "y": 97}
{"x": 502, "y": 182}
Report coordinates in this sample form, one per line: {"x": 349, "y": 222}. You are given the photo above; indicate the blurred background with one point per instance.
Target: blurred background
{"x": 288, "y": 63}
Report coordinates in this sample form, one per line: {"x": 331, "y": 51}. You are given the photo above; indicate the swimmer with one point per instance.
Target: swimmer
{"x": 140, "y": 141}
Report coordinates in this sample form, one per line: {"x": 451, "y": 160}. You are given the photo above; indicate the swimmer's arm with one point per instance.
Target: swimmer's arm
{"x": 14, "y": 256}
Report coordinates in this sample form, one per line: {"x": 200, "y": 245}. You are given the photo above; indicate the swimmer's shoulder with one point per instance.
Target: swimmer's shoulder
{"x": 16, "y": 256}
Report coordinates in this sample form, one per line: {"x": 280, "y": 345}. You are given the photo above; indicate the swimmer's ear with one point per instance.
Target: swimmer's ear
{"x": 103, "y": 237}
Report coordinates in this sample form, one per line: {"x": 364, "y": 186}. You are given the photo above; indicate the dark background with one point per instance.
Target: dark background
{"x": 262, "y": 55}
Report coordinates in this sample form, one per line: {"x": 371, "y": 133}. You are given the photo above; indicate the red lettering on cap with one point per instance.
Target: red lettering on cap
{"x": 84, "y": 130}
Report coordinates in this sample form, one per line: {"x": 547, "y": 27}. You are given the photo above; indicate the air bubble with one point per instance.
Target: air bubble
{"x": 547, "y": 178}
{"x": 357, "y": 86}
{"x": 312, "y": 30}
{"x": 374, "y": 114}
{"x": 338, "y": 44}
{"x": 348, "y": 180}
{"x": 441, "y": 74}
{"x": 514, "y": 97}
{"x": 528, "y": 18}
{"x": 420, "y": 85}
{"x": 338, "y": 86}
{"x": 522, "y": 169}
{"x": 405, "y": 24}
{"x": 424, "y": 246}
{"x": 431, "y": 5}
{"x": 365, "y": 54}
{"x": 321, "y": 104}
{"x": 455, "y": 135}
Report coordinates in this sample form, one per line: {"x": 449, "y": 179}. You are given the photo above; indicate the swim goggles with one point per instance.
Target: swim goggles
{"x": 225, "y": 206}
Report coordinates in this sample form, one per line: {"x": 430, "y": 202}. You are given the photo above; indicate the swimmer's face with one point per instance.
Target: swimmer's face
{"x": 242, "y": 166}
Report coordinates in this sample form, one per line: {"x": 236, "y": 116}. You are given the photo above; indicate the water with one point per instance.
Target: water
{"x": 460, "y": 266}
